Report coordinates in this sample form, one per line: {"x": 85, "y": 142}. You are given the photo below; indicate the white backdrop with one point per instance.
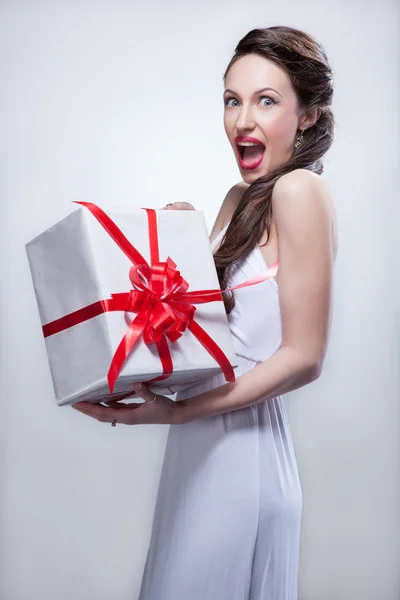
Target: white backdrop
{"x": 121, "y": 105}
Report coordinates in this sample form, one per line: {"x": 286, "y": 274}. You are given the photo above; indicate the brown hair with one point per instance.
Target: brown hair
{"x": 304, "y": 60}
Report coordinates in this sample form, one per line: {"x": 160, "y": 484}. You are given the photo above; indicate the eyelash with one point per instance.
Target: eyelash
{"x": 233, "y": 98}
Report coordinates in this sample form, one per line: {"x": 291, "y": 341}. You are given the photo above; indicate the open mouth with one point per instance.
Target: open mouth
{"x": 251, "y": 153}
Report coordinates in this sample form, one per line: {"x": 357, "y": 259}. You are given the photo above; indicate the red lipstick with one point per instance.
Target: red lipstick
{"x": 247, "y": 138}
{"x": 253, "y": 164}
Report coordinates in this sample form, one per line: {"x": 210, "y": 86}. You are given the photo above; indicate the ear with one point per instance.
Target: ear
{"x": 309, "y": 118}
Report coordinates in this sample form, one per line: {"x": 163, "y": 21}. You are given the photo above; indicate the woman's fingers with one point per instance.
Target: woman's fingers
{"x": 113, "y": 403}
{"x": 179, "y": 206}
{"x": 95, "y": 410}
{"x": 143, "y": 391}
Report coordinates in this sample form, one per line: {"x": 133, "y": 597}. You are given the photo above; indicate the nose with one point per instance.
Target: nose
{"x": 245, "y": 118}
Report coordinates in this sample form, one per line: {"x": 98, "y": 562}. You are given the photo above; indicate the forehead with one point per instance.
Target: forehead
{"x": 253, "y": 72}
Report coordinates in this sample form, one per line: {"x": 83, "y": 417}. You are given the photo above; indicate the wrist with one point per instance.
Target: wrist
{"x": 179, "y": 413}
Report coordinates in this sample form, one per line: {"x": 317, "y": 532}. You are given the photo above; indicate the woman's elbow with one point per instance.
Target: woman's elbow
{"x": 308, "y": 365}
{"x": 315, "y": 368}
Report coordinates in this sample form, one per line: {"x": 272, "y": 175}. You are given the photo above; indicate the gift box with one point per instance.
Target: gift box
{"x": 117, "y": 300}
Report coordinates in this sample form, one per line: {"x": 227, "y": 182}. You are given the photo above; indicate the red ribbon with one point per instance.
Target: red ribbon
{"x": 159, "y": 297}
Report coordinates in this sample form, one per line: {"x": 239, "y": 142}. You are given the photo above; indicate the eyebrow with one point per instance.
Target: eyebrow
{"x": 255, "y": 93}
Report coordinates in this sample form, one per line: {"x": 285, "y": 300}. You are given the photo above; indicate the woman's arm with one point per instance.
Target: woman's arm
{"x": 302, "y": 219}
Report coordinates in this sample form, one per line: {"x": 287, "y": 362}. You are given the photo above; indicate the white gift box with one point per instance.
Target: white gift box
{"x": 76, "y": 263}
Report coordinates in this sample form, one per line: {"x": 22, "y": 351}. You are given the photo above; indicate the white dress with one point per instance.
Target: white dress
{"x": 229, "y": 504}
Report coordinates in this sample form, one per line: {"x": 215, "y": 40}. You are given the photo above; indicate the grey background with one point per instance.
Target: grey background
{"x": 121, "y": 105}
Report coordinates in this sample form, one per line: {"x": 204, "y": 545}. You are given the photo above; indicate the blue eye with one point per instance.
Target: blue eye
{"x": 269, "y": 98}
{"x": 226, "y": 101}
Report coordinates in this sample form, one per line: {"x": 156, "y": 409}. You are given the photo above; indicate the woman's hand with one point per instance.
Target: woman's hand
{"x": 179, "y": 206}
{"x": 162, "y": 411}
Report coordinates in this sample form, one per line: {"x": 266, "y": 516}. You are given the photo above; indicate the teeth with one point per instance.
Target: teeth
{"x": 249, "y": 144}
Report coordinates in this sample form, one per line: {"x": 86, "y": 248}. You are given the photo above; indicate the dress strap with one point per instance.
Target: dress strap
{"x": 219, "y": 236}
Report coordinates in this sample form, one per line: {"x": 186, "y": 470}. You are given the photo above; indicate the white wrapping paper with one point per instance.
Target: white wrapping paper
{"x": 76, "y": 262}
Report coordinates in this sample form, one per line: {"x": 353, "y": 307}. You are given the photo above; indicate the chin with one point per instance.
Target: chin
{"x": 250, "y": 176}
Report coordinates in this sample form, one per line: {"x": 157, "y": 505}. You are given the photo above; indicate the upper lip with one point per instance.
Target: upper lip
{"x": 247, "y": 138}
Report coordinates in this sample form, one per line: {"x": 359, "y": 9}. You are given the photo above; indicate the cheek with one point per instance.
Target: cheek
{"x": 281, "y": 130}
{"x": 280, "y": 137}
{"x": 228, "y": 122}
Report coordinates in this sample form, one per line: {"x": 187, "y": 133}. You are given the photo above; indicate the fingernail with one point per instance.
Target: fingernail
{"x": 137, "y": 386}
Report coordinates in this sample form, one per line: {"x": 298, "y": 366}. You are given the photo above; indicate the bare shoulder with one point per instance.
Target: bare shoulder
{"x": 303, "y": 182}
{"x": 228, "y": 207}
{"x": 300, "y": 192}
{"x": 231, "y": 201}
{"x": 301, "y": 179}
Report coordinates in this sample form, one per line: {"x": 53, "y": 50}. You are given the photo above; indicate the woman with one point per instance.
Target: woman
{"x": 228, "y": 511}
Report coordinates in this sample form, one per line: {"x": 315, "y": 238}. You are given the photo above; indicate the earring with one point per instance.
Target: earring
{"x": 299, "y": 139}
